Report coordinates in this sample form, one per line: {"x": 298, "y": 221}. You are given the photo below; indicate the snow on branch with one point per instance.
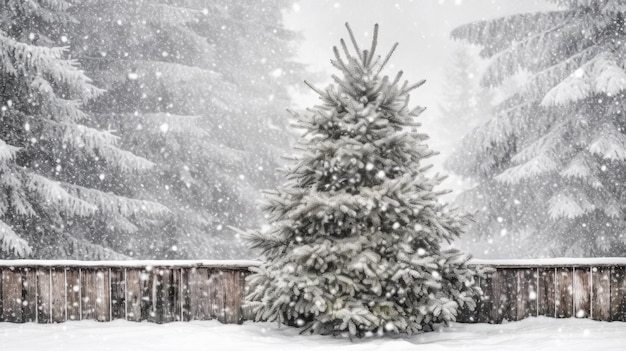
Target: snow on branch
{"x": 600, "y": 75}
{"x": 609, "y": 143}
{"x": 7, "y": 152}
{"x": 165, "y": 14}
{"x": 55, "y": 195}
{"x": 102, "y": 143}
{"x": 579, "y": 167}
{"x": 111, "y": 203}
{"x": 11, "y": 242}
{"x": 83, "y": 248}
{"x": 546, "y": 144}
{"x": 562, "y": 205}
{"x": 496, "y": 35}
{"x": 538, "y": 165}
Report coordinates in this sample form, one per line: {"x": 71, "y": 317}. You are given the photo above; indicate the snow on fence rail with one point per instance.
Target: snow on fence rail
{"x": 167, "y": 291}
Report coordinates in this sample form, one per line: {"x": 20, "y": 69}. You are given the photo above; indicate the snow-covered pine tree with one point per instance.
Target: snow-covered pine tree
{"x": 189, "y": 85}
{"x": 51, "y": 163}
{"x": 355, "y": 242}
{"x": 464, "y": 101}
{"x": 551, "y": 163}
{"x": 464, "y": 105}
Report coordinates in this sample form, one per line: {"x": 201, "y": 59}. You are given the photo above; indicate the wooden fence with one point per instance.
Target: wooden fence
{"x": 559, "y": 288}
{"x": 167, "y": 291}
{"x": 154, "y": 291}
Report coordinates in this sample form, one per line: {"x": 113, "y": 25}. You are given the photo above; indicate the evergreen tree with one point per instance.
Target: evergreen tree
{"x": 189, "y": 85}
{"x": 465, "y": 102}
{"x": 52, "y": 162}
{"x": 355, "y": 242}
{"x": 551, "y": 162}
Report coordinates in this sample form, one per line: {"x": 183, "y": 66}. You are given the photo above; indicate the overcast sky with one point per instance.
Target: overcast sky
{"x": 422, "y": 27}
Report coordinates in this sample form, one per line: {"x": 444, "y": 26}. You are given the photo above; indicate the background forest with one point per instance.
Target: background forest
{"x": 144, "y": 129}
{"x": 120, "y": 119}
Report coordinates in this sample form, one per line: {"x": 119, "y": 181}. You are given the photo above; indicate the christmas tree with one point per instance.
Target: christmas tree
{"x": 356, "y": 235}
{"x": 550, "y": 164}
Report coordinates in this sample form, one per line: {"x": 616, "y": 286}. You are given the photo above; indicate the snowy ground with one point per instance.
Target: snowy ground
{"x": 530, "y": 334}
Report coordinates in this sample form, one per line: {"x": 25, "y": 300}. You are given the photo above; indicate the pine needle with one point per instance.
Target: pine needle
{"x": 319, "y": 92}
{"x": 374, "y": 44}
{"x": 393, "y": 48}
{"x": 356, "y": 46}
{"x": 397, "y": 79}
{"x": 414, "y": 86}
{"x": 344, "y": 47}
{"x": 340, "y": 64}
{"x": 345, "y": 87}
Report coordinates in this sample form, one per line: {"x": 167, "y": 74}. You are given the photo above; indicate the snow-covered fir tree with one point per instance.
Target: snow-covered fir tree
{"x": 464, "y": 105}
{"x": 192, "y": 86}
{"x": 52, "y": 163}
{"x": 356, "y": 239}
{"x": 464, "y": 101}
{"x": 551, "y": 163}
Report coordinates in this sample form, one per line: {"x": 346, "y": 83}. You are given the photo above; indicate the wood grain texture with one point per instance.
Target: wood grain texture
{"x": 1, "y": 298}
{"x": 118, "y": 293}
{"x": 564, "y": 300}
{"x": 95, "y": 294}
{"x": 526, "y": 294}
{"x": 546, "y": 292}
{"x": 29, "y": 294}
{"x": 232, "y": 288}
{"x": 618, "y": 294}
{"x": 58, "y": 296}
{"x": 199, "y": 306}
{"x": 133, "y": 294}
{"x": 216, "y": 294}
{"x": 164, "y": 294}
{"x": 43, "y": 295}
{"x": 601, "y": 293}
{"x": 184, "y": 295}
{"x": 72, "y": 291}
{"x": 504, "y": 286}
{"x": 581, "y": 292}
{"x": 12, "y": 295}
{"x": 103, "y": 295}
{"x": 88, "y": 293}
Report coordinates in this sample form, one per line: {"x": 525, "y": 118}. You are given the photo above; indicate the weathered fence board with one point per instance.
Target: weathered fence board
{"x": 133, "y": 294}
{"x": 118, "y": 293}
{"x": 168, "y": 291}
{"x": 564, "y": 298}
{"x": 58, "y": 297}
{"x": 72, "y": 292}
{"x": 1, "y": 299}
{"x": 547, "y": 292}
{"x": 581, "y": 292}
{"x": 43, "y": 295}
{"x": 12, "y": 295}
{"x": 618, "y": 294}
{"x": 526, "y": 294}
{"x": 185, "y": 295}
{"x": 601, "y": 293}
{"x": 504, "y": 288}
{"x": 199, "y": 294}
